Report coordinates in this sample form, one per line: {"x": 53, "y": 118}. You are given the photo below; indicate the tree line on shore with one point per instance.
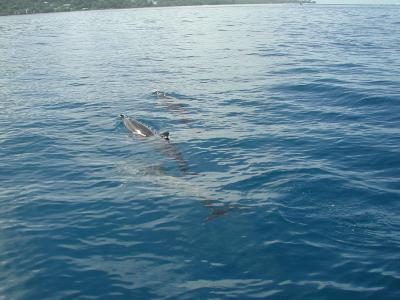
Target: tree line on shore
{"x": 10, "y": 7}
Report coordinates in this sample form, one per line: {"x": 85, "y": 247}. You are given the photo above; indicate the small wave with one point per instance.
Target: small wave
{"x": 378, "y": 101}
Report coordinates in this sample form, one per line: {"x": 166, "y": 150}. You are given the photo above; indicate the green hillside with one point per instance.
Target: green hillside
{"x": 10, "y": 7}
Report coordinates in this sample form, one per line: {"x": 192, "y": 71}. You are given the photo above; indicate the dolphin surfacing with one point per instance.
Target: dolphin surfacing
{"x": 140, "y": 129}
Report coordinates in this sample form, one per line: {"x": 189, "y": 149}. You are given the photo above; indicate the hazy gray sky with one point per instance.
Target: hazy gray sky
{"x": 359, "y": 1}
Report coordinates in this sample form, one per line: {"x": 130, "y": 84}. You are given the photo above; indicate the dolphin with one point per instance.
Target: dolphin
{"x": 172, "y": 105}
{"x": 168, "y": 148}
{"x": 140, "y": 129}
{"x": 160, "y": 94}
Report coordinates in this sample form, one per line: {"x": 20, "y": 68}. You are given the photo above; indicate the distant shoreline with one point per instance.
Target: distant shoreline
{"x": 22, "y": 7}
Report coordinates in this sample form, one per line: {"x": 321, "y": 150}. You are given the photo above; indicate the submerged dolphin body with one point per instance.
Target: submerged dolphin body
{"x": 138, "y": 128}
{"x": 173, "y": 105}
{"x": 215, "y": 207}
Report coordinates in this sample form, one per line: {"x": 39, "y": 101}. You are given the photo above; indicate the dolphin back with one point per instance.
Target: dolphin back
{"x": 135, "y": 126}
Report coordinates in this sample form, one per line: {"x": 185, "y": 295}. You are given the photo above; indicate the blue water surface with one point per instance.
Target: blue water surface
{"x": 281, "y": 180}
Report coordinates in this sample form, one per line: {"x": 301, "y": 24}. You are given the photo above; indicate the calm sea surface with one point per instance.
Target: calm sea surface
{"x": 281, "y": 180}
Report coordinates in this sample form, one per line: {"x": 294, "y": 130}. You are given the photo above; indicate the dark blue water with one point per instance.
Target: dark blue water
{"x": 282, "y": 178}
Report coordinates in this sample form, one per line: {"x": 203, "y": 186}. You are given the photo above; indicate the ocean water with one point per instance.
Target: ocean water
{"x": 281, "y": 179}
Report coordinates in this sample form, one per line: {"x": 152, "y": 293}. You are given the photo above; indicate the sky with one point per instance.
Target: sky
{"x": 358, "y": 1}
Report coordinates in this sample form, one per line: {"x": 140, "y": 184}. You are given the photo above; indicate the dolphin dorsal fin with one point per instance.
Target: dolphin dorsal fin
{"x": 165, "y": 135}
